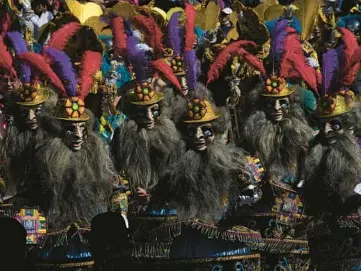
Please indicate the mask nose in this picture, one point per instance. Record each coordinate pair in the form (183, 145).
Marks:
(327, 130)
(277, 105)
(199, 134)
(31, 114)
(77, 133)
(149, 115)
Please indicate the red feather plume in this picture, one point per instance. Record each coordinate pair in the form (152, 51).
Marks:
(4, 23)
(351, 45)
(60, 38)
(119, 36)
(294, 62)
(232, 50)
(6, 61)
(190, 36)
(152, 31)
(167, 72)
(90, 64)
(38, 62)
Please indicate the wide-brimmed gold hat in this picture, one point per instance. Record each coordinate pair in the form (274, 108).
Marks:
(145, 94)
(31, 95)
(71, 109)
(200, 110)
(334, 105)
(277, 87)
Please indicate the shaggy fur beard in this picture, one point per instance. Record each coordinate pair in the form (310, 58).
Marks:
(77, 185)
(143, 153)
(17, 153)
(278, 144)
(332, 172)
(197, 183)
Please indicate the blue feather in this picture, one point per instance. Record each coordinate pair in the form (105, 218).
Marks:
(174, 38)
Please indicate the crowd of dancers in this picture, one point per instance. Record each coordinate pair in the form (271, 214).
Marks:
(180, 135)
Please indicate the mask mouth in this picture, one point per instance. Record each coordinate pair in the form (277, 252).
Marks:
(149, 125)
(276, 116)
(200, 145)
(76, 144)
(32, 124)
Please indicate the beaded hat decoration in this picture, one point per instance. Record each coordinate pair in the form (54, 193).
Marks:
(140, 57)
(286, 52)
(200, 110)
(71, 106)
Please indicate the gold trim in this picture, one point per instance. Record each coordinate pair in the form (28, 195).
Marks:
(65, 265)
(285, 92)
(216, 259)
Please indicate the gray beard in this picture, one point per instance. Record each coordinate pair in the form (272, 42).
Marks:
(279, 145)
(197, 182)
(143, 153)
(76, 185)
(332, 172)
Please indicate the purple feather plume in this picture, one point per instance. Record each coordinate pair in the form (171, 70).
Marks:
(191, 67)
(330, 68)
(139, 59)
(19, 45)
(278, 36)
(64, 69)
(17, 42)
(174, 37)
(221, 4)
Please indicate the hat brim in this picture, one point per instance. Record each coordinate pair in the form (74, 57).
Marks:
(83, 117)
(284, 93)
(206, 119)
(158, 96)
(41, 98)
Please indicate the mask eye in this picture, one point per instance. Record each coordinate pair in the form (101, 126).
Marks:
(141, 113)
(155, 112)
(207, 131)
(269, 104)
(38, 110)
(336, 125)
(284, 104)
(191, 131)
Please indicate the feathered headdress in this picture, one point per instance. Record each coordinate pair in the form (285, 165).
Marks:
(6, 61)
(71, 106)
(153, 34)
(139, 57)
(181, 39)
(339, 69)
(60, 38)
(19, 46)
(287, 56)
(33, 93)
(119, 35)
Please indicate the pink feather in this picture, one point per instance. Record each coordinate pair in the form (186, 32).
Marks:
(60, 38)
(90, 64)
(38, 62)
(190, 36)
(235, 48)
